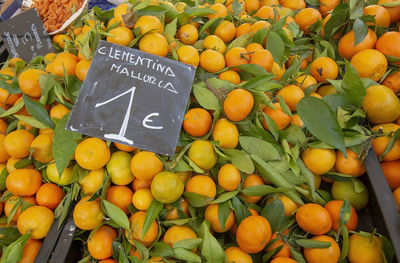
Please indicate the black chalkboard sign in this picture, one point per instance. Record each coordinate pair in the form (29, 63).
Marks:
(25, 36)
(134, 98)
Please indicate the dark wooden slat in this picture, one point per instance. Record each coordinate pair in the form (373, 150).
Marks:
(384, 208)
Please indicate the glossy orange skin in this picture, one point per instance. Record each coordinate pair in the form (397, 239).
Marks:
(326, 255)
(391, 171)
(253, 234)
(324, 68)
(120, 196)
(346, 44)
(235, 254)
(283, 260)
(49, 195)
(281, 119)
(30, 251)
(291, 94)
(88, 214)
(314, 219)
(307, 17)
(136, 222)
(284, 251)
(24, 182)
(100, 245)
(202, 185)
(394, 12)
(177, 233)
(238, 104)
(17, 143)
(262, 58)
(197, 122)
(387, 42)
(333, 207)
(4, 156)
(9, 205)
(37, 220)
(92, 153)
(236, 56)
(252, 180)
(350, 165)
(211, 216)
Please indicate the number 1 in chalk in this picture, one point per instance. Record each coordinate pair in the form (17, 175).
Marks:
(121, 135)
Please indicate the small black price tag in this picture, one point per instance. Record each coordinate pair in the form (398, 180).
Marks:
(134, 98)
(25, 36)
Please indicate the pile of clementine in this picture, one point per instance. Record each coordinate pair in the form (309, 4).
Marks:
(288, 98)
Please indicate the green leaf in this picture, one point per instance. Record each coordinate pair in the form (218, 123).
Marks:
(241, 211)
(293, 134)
(313, 2)
(206, 98)
(188, 243)
(272, 175)
(210, 248)
(151, 10)
(152, 213)
(261, 190)
(259, 147)
(170, 30)
(360, 31)
(9, 235)
(38, 111)
(13, 253)
(260, 80)
(197, 200)
(387, 248)
(337, 100)
(31, 121)
(314, 112)
(296, 255)
(241, 41)
(64, 144)
(225, 197)
(199, 11)
(237, 7)
(116, 214)
(13, 109)
(345, 244)
(3, 178)
(337, 20)
(62, 209)
(275, 213)
(253, 69)
(260, 36)
(309, 175)
(188, 256)
(16, 205)
(240, 160)
(143, 251)
(223, 213)
(308, 243)
(353, 86)
(345, 214)
(395, 137)
(162, 249)
(12, 88)
(390, 4)
(209, 24)
(178, 222)
(46, 82)
(276, 45)
(272, 126)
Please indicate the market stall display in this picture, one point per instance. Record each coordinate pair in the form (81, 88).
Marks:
(290, 102)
